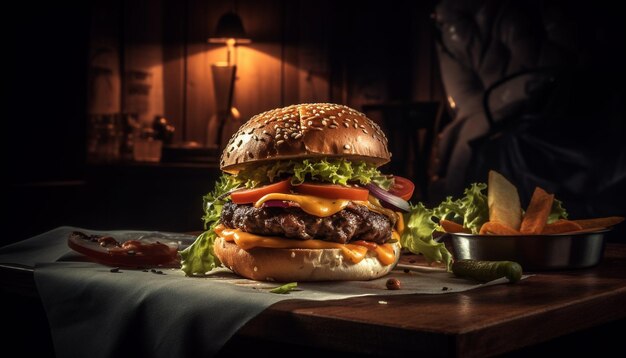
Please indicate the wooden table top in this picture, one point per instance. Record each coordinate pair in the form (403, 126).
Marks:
(486, 321)
(481, 322)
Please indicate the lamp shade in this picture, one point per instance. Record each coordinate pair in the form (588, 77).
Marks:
(229, 26)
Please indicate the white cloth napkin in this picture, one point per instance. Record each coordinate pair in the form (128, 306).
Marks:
(98, 313)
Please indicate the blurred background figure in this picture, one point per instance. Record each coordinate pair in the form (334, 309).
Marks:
(535, 91)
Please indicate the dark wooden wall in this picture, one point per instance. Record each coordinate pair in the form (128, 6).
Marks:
(67, 62)
(302, 51)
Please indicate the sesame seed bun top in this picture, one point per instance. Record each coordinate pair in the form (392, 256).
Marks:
(312, 130)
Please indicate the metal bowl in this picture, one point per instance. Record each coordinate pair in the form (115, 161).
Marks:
(533, 252)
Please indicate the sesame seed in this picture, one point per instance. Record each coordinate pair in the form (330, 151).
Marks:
(332, 126)
(298, 135)
(294, 134)
(280, 142)
(346, 124)
(362, 126)
(347, 146)
(332, 117)
(365, 131)
(310, 123)
(335, 122)
(356, 125)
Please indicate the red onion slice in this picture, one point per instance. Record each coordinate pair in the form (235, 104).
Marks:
(387, 199)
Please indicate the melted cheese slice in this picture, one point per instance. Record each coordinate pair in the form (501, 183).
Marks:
(322, 207)
(310, 204)
(353, 252)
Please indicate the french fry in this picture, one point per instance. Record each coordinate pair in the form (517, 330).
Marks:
(561, 227)
(537, 213)
(496, 228)
(452, 227)
(503, 201)
(599, 222)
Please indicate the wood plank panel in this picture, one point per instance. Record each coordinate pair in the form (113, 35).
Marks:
(315, 82)
(259, 78)
(143, 60)
(174, 64)
(104, 80)
(202, 16)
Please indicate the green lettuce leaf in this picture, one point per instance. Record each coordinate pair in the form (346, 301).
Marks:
(557, 212)
(471, 211)
(418, 236)
(198, 259)
(214, 200)
(336, 171)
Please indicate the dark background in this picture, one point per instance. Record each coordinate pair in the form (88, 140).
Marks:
(377, 57)
(372, 57)
(376, 54)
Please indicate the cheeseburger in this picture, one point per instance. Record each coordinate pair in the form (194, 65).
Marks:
(301, 199)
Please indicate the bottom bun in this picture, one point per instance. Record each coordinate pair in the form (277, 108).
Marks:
(283, 265)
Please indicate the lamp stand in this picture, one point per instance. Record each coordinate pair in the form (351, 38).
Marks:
(223, 85)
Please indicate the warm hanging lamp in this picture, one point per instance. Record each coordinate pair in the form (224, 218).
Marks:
(229, 31)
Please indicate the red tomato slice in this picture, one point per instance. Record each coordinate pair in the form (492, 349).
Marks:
(248, 196)
(106, 250)
(333, 191)
(402, 187)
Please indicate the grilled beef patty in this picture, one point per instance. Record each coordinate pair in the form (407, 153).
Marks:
(355, 222)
